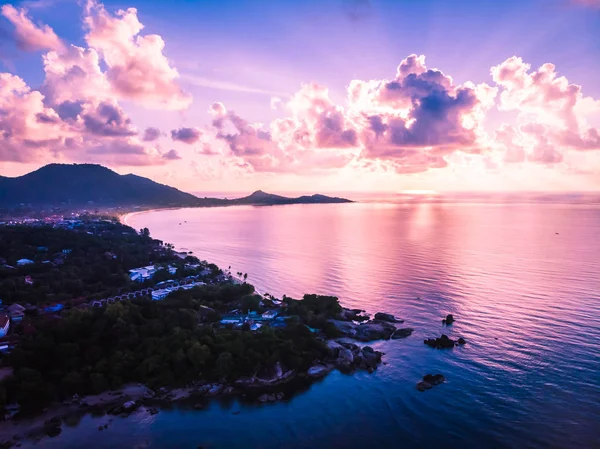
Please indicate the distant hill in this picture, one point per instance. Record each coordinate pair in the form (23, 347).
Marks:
(267, 199)
(86, 184)
(90, 185)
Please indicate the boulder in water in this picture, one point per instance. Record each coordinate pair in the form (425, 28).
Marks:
(388, 317)
(443, 342)
(449, 319)
(402, 333)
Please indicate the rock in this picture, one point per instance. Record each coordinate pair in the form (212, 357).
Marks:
(370, 358)
(153, 411)
(129, 405)
(55, 421)
(449, 319)
(422, 386)
(434, 379)
(279, 396)
(380, 330)
(346, 357)
(371, 370)
(388, 317)
(263, 398)
(317, 371)
(461, 341)
(214, 390)
(52, 430)
(334, 348)
(229, 390)
(444, 342)
(352, 315)
(402, 333)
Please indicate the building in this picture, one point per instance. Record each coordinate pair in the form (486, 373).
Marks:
(157, 295)
(22, 262)
(269, 315)
(142, 274)
(4, 324)
(15, 312)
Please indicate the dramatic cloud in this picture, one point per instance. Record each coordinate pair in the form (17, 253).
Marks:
(553, 111)
(28, 36)
(151, 134)
(186, 135)
(74, 75)
(137, 67)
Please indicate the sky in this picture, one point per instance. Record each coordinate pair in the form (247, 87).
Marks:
(307, 96)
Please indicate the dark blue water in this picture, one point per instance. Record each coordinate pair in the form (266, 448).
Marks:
(522, 279)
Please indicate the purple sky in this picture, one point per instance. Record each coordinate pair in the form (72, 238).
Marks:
(307, 96)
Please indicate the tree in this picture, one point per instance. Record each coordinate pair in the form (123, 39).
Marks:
(224, 364)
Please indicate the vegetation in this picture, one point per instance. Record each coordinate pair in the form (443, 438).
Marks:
(156, 342)
(92, 263)
(160, 343)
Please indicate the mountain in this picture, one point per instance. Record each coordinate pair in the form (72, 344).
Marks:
(268, 199)
(85, 185)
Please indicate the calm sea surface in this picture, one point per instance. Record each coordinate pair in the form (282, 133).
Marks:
(521, 276)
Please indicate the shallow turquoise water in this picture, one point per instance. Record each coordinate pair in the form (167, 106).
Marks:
(522, 280)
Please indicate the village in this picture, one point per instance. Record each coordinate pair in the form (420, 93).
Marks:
(154, 281)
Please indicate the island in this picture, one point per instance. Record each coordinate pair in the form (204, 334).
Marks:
(105, 318)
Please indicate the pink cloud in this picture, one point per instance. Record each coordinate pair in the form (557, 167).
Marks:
(186, 135)
(31, 131)
(151, 134)
(137, 67)
(29, 36)
(555, 111)
(171, 155)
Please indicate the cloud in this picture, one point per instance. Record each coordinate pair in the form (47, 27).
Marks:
(151, 134)
(171, 155)
(186, 135)
(137, 69)
(416, 119)
(107, 119)
(74, 75)
(28, 36)
(87, 131)
(553, 111)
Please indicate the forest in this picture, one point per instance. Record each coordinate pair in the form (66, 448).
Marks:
(159, 343)
(68, 264)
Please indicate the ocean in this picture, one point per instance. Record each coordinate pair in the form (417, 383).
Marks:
(520, 274)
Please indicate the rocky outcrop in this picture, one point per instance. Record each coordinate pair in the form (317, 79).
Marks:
(372, 330)
(52, 427)
(448, 320)
(388, 317)
(402, 333)
(429, 381)
(353, 357)
(334, 348)
(272, 397)
(319, 371)
(461, 341)
(352, 315)
(443, 342)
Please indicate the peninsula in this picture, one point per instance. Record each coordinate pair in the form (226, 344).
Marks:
(105, 318)
(90, 186)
